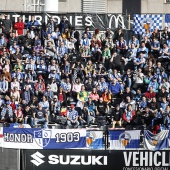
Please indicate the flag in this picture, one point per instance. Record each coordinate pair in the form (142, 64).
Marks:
(94, 139)
(36, 138)
(167, 20)
(156, 141)
(146, 21)
(124, 139)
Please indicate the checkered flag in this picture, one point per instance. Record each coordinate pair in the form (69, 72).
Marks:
(140, 22)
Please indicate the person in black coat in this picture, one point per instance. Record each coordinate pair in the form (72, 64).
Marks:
(64, 23)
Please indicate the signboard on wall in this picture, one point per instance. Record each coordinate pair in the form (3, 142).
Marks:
(78, 20)
(96, 160)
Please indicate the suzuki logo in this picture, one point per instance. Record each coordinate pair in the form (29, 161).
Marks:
(37, 158)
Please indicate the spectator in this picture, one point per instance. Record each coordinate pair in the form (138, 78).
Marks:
(26, 95)
(39, 86)
(115, 62)
(40, 115)
(140, 61)
(107, 96)
(96, 52)
(72, 117)
(53, 86)
(55, 108)
(82, 97)
(94, 95)
(16, 94)
(33, 26)
(7, 113)
(45, 104)
(150, 94)
(122, 46)
(28, 116)
(64, 23)
(115, 88)
(89, 85)
(117, 116)
(51, 24)
(4, 86)
(101, 107)
(19, 26)
(61, 97)
(134, 41)
(85, 41)
(6, 25)
(87, 31)
(128, 116)
(19, 115)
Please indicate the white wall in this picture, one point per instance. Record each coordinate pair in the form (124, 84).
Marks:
(112, 6)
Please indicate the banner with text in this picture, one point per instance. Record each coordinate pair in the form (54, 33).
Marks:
(42, 138)
(95, 159)
(78, 20)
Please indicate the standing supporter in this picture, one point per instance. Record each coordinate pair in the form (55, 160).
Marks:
(3, 41)
(39, 87)
(4, 89)
(7, 113)
(115, 62)
(64, 23)
(19, 115)
(33, 26)
(16, 94)
(85, 41)
(51, 24)
(45, 104)
(28, 117)
(82, 97)
(61, 97)
(106, 55)
(6, 25)
(155, 47)
(26, 95)
(96, 53)
(90, 106)
(128, 116)
(19, 26)
(55, 107)
(53, 86)
(122, 46)
(87, 31)
(78, 70)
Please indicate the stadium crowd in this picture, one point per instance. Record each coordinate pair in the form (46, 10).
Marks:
(54, 73)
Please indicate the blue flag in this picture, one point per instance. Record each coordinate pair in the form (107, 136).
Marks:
(156, 141)
(167, 18)
(146, 21)
(124, 139)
